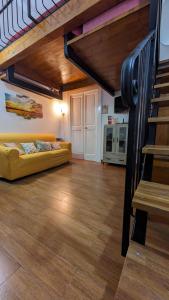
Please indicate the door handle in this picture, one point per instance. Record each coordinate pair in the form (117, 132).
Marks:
(86, 127)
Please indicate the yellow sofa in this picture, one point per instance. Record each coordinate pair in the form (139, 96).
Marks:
(13, 165)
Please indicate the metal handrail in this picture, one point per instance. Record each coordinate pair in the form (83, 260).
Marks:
(18, 17)
(129, 87)
(5, 6)
(137, 80)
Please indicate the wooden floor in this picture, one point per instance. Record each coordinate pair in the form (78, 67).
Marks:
(60, 233)
(145, 274)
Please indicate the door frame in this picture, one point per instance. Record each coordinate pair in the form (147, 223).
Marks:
(78, 155)
(67, 99)
(97, 110)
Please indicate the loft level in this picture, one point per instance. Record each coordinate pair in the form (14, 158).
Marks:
(53, 22)
(45, 43)
(115, 43)
(33, 12)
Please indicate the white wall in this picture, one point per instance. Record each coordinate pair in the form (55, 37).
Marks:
(65, 132)
(164, 34)
(10, 122)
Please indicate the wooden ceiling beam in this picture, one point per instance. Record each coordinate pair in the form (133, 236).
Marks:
(65, 19)
(77, 84)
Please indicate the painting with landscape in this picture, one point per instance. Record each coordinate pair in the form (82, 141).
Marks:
(23, 106)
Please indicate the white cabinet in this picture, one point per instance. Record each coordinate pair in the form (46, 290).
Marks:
(115, 143)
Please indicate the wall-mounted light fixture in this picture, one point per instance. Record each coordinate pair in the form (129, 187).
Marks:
(63, 108)
(60, 108)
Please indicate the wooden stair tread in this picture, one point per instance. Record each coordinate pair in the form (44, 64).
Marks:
(163, 67)
(157, 234)
(161, 163)
(145, 275)
(165, 61)
(163, 97)
(161, 85)
(162, 75)
(152, 197)
(158, 120)
(156, 149)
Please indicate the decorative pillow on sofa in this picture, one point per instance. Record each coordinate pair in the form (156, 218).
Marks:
(29, 148)
(55, 146)
(14, 145)
(43, 146)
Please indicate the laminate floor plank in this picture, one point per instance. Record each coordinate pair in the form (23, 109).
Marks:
(8, 265)
(145, 275)
(62, 228)
(23, 285)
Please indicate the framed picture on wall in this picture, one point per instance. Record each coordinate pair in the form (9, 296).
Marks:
(23, 106)
(105, 109)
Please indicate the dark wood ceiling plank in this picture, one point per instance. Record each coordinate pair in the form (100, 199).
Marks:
(106, 47)
(49, 65)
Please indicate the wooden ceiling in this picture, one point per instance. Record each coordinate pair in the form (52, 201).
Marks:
(49, 66)
(103, 49)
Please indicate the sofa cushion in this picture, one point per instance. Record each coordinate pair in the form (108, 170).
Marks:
(29, 148)
(43, 146)
(46, 156)
(14, 145)
(55, 145)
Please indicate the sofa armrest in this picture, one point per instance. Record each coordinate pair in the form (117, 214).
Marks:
(66, 145)
(8, 153)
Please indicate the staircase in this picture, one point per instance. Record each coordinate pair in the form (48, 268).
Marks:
(145, 240)
(152, 197)
(145, 273)
(149, 196)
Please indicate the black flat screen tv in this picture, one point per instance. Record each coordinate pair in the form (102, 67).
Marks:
(118, 106)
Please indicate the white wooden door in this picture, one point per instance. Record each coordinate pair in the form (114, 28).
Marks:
(90, 125)
(77, 121)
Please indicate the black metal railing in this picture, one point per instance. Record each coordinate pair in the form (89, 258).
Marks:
(19, 16)
(137, 80)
